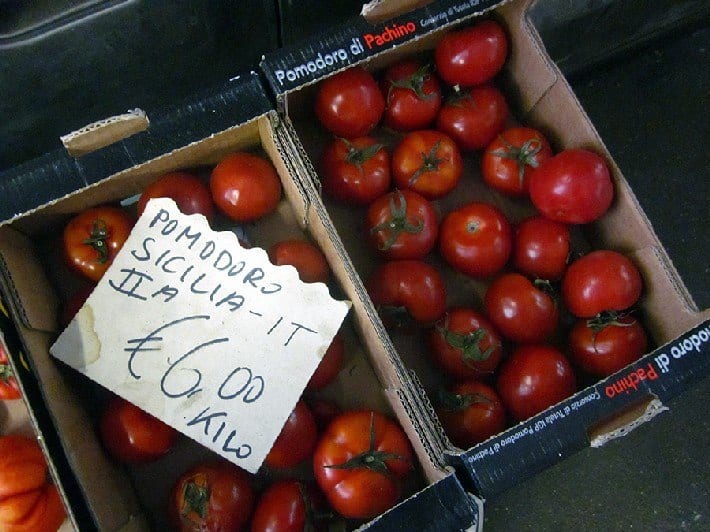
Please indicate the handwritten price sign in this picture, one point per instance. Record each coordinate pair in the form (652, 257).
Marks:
(205, 335)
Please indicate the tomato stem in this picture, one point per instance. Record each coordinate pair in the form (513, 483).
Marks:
(6, 372)
(359, 156)
(196, 495)
(455, 402)
(430, 163)
(98, 239)
(398, 223)
(414, 83)
(468, 343)
(523, 155)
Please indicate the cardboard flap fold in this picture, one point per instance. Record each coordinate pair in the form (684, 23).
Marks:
(104, 132)
(380, 10)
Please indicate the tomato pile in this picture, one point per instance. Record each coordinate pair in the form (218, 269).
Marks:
(416, 143)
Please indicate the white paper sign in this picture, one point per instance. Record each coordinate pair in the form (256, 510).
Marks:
(207, 336)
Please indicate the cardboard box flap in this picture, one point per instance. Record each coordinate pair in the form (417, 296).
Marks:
(379, 10)
(57, 174)
(104, 132)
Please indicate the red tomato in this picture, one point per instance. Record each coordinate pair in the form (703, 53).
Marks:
(355, 171)
(473, 117)
(133, 436)
(534, 378)
(509, 159)
(349, 104)
(407, 290)
(296, 441)
(360, 462)
(323, 410)
(572, 187)
(330, 365)
(212, 496)
(464, 344)
(523, 311)
(189, 192)
(602, 280)
(27, 502)
(93, 238)
(9, 389)
(288, 506)
(412, 95)
(470, 412)
(475, 239)
(427, 162)
(473, 55)
(604, 346)
(309, 261)
(402, 225)
(74, 303)
(541, 248)
(245, 187)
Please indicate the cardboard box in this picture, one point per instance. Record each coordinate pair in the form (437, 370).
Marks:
(102, 494)
(540, 97)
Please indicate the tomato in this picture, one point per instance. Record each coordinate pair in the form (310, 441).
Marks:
(323, 410)
(534, 378)
(27, 502)
(523, 311)
(355, 171)
(288, 505)
(245, 187)
(473, 55)
(541, 248)
(406, 291)
(93, 238)
(189, 192)
(602, 346)
(464, 344)
(470, 412)
(211, 497)
(296, 440)
(308, 259)
(9, 389)
(476, 239)
(329, 366)
(511, 156)
(360, 462)
(349, 104)
(427, 162)
(73, 304)
(599, 281)
(402, 225)
(412, 95)
(572, 187)
(473, 117)
(133, 436)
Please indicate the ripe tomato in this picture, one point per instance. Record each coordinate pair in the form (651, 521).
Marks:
(473, 55)
(309, 261)
(464, 344)
(407, 290)
(473, 117)
(27, 502)
(288, 505)
(523, 311)
(470, 412)
(572, 187)
(602, 346)
(349, 104)
(360, 462)
(475, 239)
(93, 238)
(133, 436)
(534, 378)
(329, 366)
(323, 410)
(509, 159)
(73, 304)
(427, 162)
(211, 496)
(296, 441)
(541, 248)
(355, 171)
(601, 280)
(9, 389)
(245, 187)
(412, 95)
(402, 225)
(189, 192)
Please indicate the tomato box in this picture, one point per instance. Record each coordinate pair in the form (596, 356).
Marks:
(538, 96)
(119, 158)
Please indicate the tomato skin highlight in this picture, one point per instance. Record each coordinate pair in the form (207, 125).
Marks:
(572, 187)
(534, 378)
(190, 193)
(541, 248)
(296, 440)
